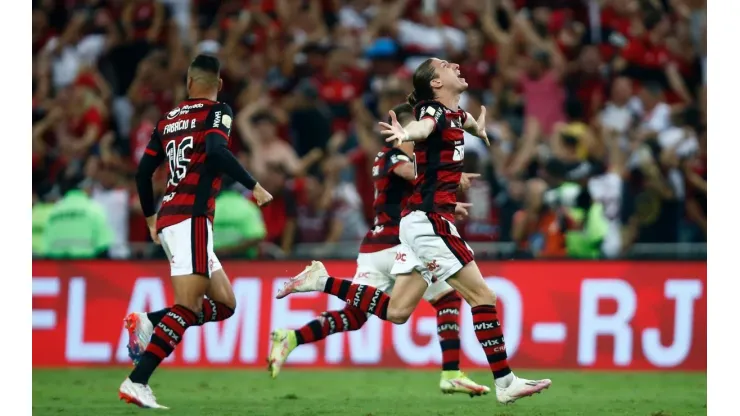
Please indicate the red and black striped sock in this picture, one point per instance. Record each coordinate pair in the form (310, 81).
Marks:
(167, 334)
(448, 329)
(491, 337)
(213, 311)
(366, 298)
(348, 319)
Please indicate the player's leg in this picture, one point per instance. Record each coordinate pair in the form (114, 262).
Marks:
(188, 241)
(219, 305)
(408, 290)
(373, 269)
(469, 282)
(446, 301)
(450, 259)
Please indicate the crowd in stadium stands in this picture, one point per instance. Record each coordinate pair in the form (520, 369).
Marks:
(596, 114)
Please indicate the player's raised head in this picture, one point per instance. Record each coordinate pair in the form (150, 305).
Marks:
(434, 76)
(204, 75)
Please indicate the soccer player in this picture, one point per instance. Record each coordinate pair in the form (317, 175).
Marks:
(193, 139)
(429, 239)
(393, 173)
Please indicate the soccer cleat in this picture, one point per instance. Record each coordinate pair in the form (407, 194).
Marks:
(283, 342)
(140, 331)
(138, 394)
(520, 387)
(311, 279)
(458, 382)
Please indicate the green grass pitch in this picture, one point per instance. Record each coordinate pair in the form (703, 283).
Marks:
(374, 392)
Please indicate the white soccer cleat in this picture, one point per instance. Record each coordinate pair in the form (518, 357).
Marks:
(283, 342)
(140, 331)
(138, 394)
(457, 382)
(311, 279)
(520, 387)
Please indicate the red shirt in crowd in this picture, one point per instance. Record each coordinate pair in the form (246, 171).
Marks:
(91, 117)
(312, 225)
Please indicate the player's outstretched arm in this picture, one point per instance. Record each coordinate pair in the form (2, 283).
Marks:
(414, 131)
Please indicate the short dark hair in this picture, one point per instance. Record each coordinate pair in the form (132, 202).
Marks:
(206, 63)
(402, 111)
(423, 75)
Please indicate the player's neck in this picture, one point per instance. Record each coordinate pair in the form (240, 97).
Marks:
(449, 100)
(201, 95)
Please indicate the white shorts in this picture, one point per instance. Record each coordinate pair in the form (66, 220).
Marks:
(432, 244)
(189, 247)
(374, 269)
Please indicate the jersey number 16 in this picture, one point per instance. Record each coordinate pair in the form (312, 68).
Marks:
(178, 162)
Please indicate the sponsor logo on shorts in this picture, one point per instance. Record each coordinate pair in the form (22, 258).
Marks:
(401, 257)
(432, 266)
(362, 275)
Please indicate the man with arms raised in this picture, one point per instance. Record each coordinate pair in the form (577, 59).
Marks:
(429, 239)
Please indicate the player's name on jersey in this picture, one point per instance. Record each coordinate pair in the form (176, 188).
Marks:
(179, 125)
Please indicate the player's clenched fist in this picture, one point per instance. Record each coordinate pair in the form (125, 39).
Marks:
(261, 195)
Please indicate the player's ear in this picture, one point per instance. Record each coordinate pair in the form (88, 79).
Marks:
(220, 84)
(436, 83)
(190, 83)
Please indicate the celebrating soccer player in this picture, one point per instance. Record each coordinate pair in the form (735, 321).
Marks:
(431, 249)
(393, 175)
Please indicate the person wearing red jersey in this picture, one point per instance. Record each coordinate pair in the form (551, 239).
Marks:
(193, 139)
(430, 244)
(393, 175)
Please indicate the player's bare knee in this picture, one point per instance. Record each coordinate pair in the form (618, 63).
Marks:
(398, 316)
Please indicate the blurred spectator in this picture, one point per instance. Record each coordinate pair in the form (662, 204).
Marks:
(108, 192)
(238, 227)
(308, 80)
(77, 228)
(537, 229)
(279, 215)
(40, 213)
(316, 211)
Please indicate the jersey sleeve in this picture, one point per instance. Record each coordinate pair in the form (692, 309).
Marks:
(219, 120)
(394, 158)
(151, 159)
(433, 111)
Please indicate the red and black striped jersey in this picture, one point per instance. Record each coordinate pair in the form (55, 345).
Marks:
(439, 161)
(191, 185)
(391, 193)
